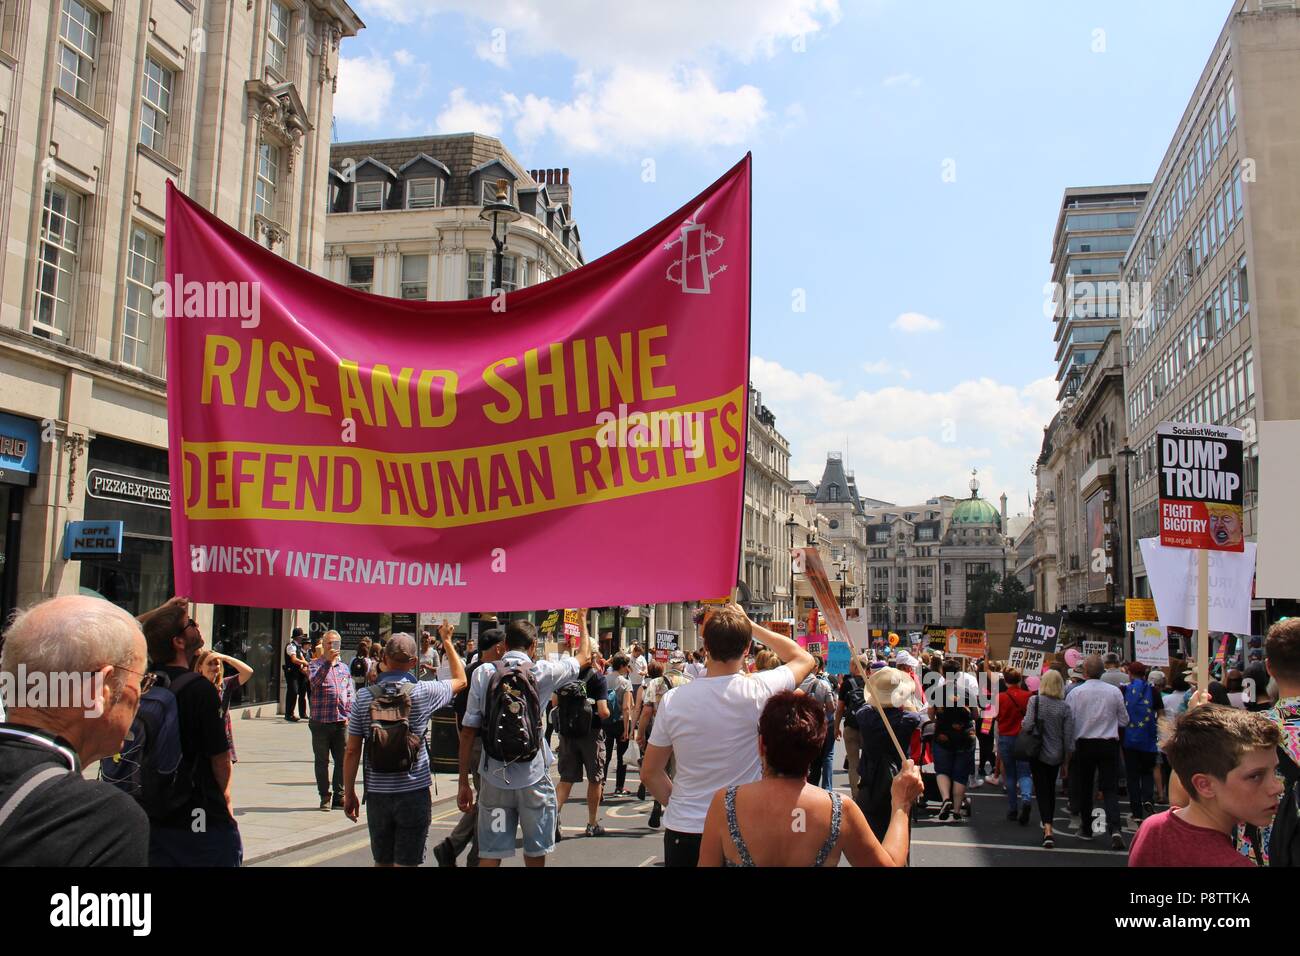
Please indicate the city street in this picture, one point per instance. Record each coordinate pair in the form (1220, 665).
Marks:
(988, 839)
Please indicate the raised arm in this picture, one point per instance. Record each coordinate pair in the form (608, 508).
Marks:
(799, 661)
(458, 682)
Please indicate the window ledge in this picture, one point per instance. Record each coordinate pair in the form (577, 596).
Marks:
(8, 59)
(86, 110)
(153, 154)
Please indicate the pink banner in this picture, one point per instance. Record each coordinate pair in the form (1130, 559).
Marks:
(576, 443)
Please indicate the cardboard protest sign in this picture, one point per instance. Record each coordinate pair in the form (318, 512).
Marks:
(970, 643)
(1201, 493)
(837, 658)
(1173, 576)
(1150, 643)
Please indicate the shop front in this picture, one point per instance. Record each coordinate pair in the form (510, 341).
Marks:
(127, 482)
(19, 461)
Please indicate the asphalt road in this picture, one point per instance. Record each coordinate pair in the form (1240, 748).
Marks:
(987, 839)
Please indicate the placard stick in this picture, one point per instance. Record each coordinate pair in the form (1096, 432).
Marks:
(1203, 619)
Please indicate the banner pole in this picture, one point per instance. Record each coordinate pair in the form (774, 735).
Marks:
(1203, 619)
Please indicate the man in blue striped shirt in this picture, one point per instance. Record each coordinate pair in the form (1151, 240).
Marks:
(398, 805)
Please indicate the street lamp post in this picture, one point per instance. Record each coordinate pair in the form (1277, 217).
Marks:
(1128, 455)
(501, 213)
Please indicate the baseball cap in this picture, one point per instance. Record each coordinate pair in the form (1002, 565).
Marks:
(400, 647)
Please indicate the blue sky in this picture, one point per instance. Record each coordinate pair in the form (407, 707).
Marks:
(909, 161)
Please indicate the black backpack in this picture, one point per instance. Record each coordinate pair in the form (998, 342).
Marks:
(575, 710)
(151, 765)
(391, 745)
(512, 713)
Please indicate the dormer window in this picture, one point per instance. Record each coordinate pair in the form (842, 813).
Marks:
(835, 492)
(423, 193)
(368, 197)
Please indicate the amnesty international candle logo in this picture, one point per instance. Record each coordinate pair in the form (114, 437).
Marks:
(1201, 494)
(353, 451)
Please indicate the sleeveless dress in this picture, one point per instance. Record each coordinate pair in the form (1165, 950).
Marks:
(745, 860)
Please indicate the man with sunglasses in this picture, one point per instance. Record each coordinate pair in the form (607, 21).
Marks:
(202, 832)
(74, 670)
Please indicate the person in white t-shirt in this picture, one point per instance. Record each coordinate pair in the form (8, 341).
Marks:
(709, 727)
(638, 666)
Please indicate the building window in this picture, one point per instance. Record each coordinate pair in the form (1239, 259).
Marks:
(514, 273)
(60, 232)
(423, 193)
(361, 272)
(415, 277)
(268, 177)
(277, 39)
(78, 35)
(368, 197)
(156, 100)
(476, 284)
(137, 320)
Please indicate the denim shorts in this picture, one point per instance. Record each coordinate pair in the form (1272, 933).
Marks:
(500, 812)
(399, 826)
(956, 765)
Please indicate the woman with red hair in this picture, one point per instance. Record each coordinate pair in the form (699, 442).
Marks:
(782, 820)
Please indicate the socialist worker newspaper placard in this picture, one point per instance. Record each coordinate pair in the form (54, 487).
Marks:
(1201, 493)
(331, 448)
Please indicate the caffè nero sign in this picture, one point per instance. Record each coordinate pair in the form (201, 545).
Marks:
(113, 486)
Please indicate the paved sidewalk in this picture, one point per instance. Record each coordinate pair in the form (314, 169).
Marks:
(274, 787)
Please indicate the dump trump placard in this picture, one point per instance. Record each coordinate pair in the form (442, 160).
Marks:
(1201, 494)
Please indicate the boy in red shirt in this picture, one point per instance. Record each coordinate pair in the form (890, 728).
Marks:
(1226, 760)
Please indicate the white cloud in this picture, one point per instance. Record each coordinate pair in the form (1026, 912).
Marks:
(462, 115)
(642, 109)
(914, 322)
(886, 367)
(901, 79)
(365, 89)
(906, 443)
(648, 35)
(403, 57)
(646, 76)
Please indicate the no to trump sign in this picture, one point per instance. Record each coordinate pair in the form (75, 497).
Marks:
(1200, 486)
(1037, 632)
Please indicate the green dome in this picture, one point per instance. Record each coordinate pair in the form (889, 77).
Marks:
(975, 511)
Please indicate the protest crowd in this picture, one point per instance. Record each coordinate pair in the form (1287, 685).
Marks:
(731, 743)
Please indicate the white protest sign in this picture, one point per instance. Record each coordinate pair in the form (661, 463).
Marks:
(859, 635)
(1026, 661)
(434, 618)
(1099, 648)
(1150, 643)
(1172, 576)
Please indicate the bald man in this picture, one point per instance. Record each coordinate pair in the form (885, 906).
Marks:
(71, 671)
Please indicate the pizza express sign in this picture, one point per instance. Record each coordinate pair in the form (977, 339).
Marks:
(131, 489)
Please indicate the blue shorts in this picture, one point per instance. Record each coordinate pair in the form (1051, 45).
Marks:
(501, 812)
(399, 826)
(956, 765)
